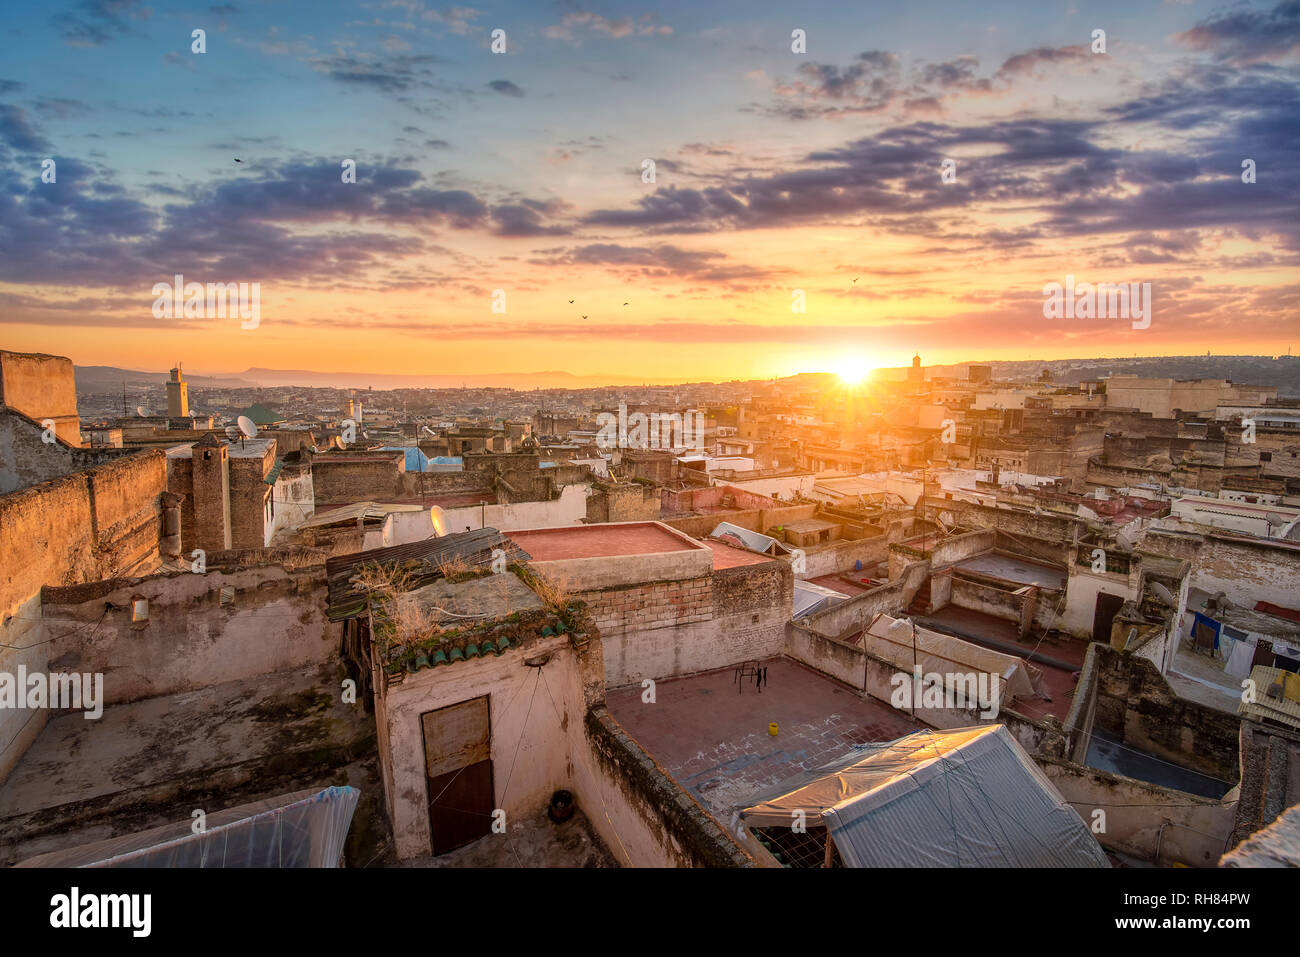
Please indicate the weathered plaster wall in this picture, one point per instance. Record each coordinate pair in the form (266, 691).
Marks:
(269, 620)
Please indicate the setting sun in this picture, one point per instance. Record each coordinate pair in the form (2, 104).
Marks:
(852, 369)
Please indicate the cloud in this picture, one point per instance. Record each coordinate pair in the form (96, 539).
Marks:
(93, 23)
(17, 132)
(1249, 36)
(570, 24)
(874, 82)
(389, 74)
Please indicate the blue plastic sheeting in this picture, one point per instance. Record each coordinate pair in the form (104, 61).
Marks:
(416, 461)
(302, 829)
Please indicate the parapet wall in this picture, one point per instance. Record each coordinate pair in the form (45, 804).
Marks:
(652, 820)
(100, 523)
(202, 630)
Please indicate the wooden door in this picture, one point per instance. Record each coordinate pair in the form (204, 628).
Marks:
(458, 765)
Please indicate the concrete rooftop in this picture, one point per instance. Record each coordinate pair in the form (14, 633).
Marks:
(1019, 570)
(601, 541)
(713, 739)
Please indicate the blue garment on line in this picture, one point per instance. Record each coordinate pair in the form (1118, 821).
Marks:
(1210, 623)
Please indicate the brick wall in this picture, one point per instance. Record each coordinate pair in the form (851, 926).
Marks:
(376, 476)
(248, 495)
(664, 629)
(627, 502)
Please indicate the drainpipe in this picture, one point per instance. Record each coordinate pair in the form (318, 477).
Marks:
(1159, 837)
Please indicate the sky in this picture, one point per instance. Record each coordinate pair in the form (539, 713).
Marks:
(799, 217)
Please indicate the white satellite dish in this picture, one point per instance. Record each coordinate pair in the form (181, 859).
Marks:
(439, 521)
(142, 411)
(244, 428)
(429, 430)
(1164, 594)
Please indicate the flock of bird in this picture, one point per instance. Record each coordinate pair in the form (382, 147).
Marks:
(572, 301)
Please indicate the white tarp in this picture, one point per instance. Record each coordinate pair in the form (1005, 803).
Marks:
(809, 599)
(945, 655)
(754, 541)
(970, 797)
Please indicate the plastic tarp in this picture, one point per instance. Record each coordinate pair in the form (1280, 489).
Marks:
(416, 460)
(810, 599)
(302, 829)
(945, 655)
(754, 541)
(970, 797)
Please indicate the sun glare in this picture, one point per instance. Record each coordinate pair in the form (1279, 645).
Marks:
(852, 369)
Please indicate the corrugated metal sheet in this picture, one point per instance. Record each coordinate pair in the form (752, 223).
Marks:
(474, 548)
(970, 797)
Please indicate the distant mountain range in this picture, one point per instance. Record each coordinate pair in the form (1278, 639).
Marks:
(490, 380)
(1282, 371)
(110, 378)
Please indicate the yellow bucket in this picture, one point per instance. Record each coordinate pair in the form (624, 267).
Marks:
(771, 729)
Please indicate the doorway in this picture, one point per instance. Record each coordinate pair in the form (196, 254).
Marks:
(1108, 607)
(458, 767)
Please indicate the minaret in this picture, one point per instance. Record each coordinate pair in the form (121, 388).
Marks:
(178, 399)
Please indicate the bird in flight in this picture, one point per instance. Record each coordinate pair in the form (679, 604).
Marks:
(857, 279)
(627, 303)
(584, 317)
(571, 302)
(238, 160)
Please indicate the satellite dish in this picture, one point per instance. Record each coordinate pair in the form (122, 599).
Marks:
(247, 427)
(429, 430)
(1164, 594)
(142, 411)
(439, 521)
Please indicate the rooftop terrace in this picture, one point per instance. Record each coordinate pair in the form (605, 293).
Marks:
(711, 733)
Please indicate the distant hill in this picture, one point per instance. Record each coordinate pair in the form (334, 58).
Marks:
(110, 378)
(491, 380)
(1283, 371)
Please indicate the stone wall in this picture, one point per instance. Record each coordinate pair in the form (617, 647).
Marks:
(369, 476)
(651, 821)
(95, 524)
(27, 459)
(625, 502)
(203, 629)
(1135, 706)
(670, 628)
(42, 386)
